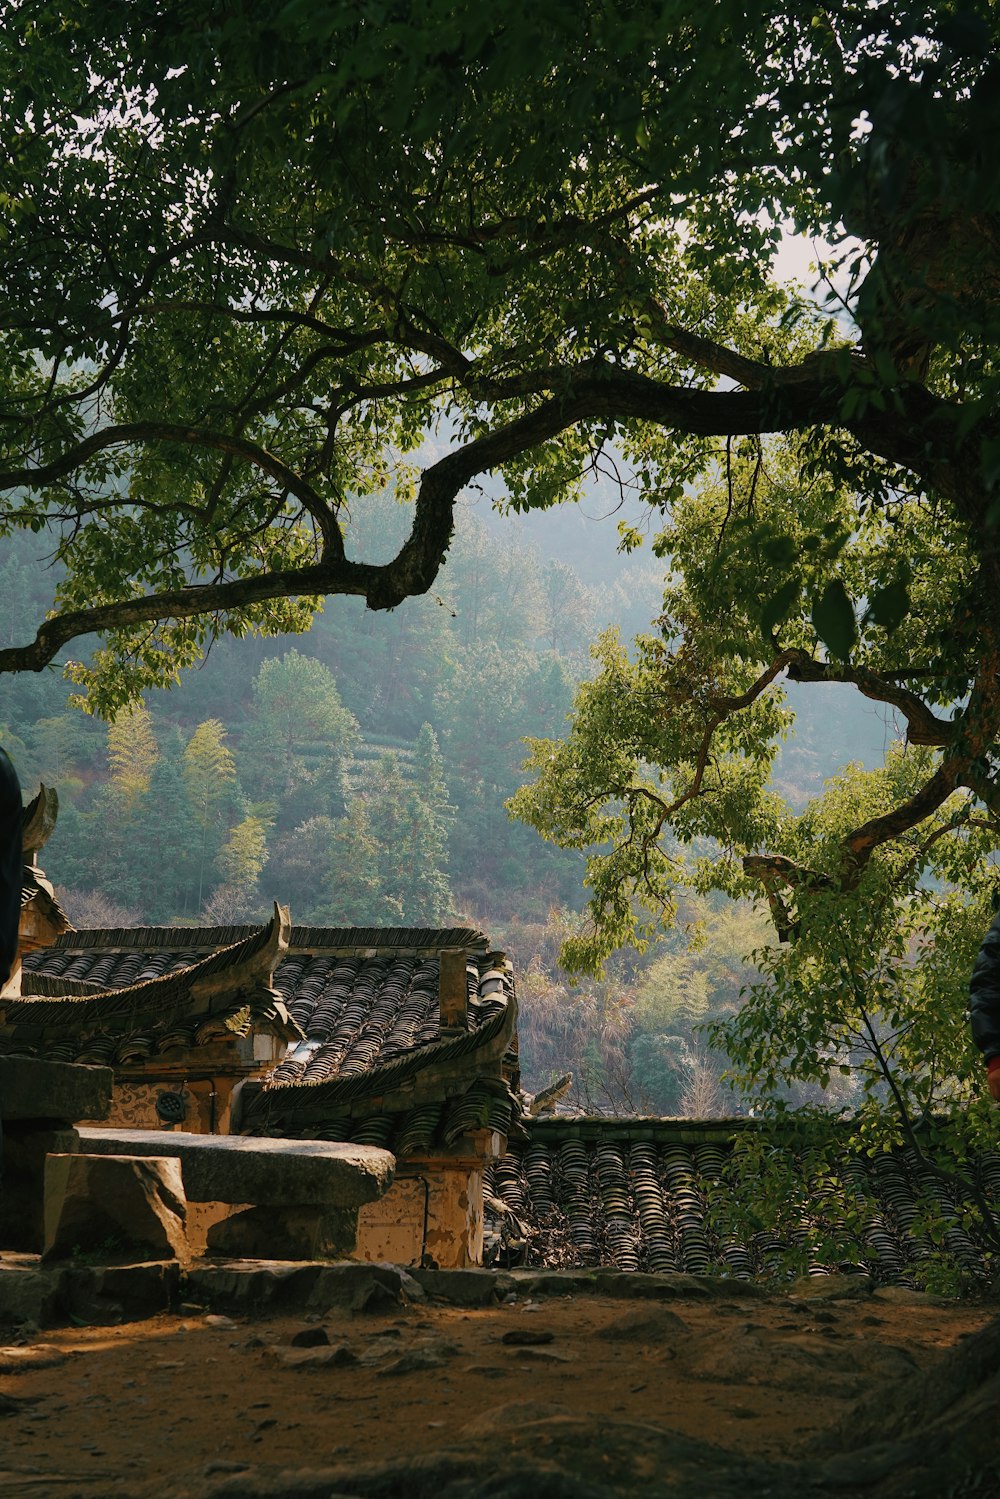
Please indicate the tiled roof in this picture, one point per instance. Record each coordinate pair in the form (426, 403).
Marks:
(373, 1033)
(79, 1013)
(361, 1012)
(39, 820)
(634, 1194)
(37, 892)
(428, 1129)
(367, 1002)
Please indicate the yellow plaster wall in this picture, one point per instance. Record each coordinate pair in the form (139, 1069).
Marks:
(434, 1213)
(133, 1104)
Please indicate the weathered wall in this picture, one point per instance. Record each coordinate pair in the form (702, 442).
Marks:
(432, 1212)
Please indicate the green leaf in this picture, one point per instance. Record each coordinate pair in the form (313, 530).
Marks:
(778, 606)
(833, 620)
(780, 550)
(889, 606)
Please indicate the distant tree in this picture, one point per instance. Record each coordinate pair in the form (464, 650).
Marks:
(297, 731)
(239, 862)
(569, 609)
(209, 782)
(168, 851)
(89, 908)
(354, 891)
(209, 772)
(411, 835)
(132, 754)
(429, 778)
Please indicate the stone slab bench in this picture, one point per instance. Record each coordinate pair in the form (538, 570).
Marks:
(305, 1193)
(237, 1168)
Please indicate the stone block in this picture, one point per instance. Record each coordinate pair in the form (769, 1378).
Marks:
(26, 1143)
(106, 1294)
(33, 1089)
(836, 1287)
(253, 1286)
(27, 1292)
(463, 1287)
(299, 1233)
(270, 1172)
(114, 1207)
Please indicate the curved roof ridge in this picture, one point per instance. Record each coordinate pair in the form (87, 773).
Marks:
(152, 938)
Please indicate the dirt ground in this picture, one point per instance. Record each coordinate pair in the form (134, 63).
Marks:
(210, 1404)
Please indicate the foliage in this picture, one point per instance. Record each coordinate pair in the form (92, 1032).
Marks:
(240, 861)
(132, 754)
(260, 262)
(694, 720)
(300, 730)
(869, 1005)
(209, 771)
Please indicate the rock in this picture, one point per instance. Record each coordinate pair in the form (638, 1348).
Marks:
(33, 1089)
(273, 1172)
(410, 1286)
(215, 1320)
(729, 1287)
(300, 1233)
(655, 1325)
(310, 1337)
(906, 1296)
(540, 1356)
(464, 1287)
(27, 1293)
(527, 1337)
(551, 1282)
(26, 1143)
(11, 1405)
(415, 1361)
(112, 1293)
(114, 1206)
(255, 1286)
(339, 1356)
(831, 1287)
(649, 1287)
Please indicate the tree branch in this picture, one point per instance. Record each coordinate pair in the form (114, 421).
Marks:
(610, 393)
(923, 727)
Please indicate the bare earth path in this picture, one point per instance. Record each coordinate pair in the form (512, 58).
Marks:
(579, 1395)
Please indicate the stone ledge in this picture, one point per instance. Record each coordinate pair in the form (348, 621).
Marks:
(268, 1172)
(50, 1296)
(33, 1089)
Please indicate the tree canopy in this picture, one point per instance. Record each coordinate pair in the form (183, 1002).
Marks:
(260, 263)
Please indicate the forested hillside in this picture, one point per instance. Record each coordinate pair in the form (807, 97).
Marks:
(359, 774)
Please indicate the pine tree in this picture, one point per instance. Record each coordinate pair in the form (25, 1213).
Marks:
(240, 862)
(210, 782)
(132, 753)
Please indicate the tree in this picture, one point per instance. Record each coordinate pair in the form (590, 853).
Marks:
(209, 780)
(667, 768)
(243, 289)
(299, 730)
(408, 820)
(168, 842)
(132, 754)
(240, 862)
